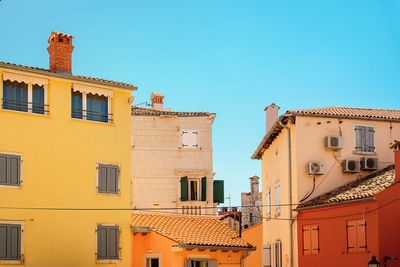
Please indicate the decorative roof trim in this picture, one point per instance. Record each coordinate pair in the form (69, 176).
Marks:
(91, 90)
(139, 111)
(14, 77)
(217, 247)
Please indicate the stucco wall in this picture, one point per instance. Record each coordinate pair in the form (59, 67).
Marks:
(59, 156)
(253, 235)
(158, 160)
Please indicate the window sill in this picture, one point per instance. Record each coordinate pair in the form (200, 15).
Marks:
(108, 261)
(11, 186)
(363, 153)
(11, 262)
(190, 149)
(109, 194)
(95, 122)
(26, 113)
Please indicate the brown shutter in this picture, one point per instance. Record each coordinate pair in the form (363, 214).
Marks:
(352, 236)
(361, 240)
(314, 239)
(306, 240)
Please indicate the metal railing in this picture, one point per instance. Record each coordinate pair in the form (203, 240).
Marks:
(24, 106)
(91, 115)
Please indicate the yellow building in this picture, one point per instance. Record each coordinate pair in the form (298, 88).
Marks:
(64, 152)
(306, 153)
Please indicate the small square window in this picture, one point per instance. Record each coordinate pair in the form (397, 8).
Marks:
(365, 138)
(10, 170)
(108, 176)
(107, 242)
(189, 139)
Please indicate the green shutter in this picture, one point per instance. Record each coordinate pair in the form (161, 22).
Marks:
(204, 189)
(218, 191)
(184, 188)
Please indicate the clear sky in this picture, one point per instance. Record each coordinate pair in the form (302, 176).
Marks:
(229, 57)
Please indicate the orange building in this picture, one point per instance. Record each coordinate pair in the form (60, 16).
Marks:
(160, 240)
(354, 222)
(253, 234)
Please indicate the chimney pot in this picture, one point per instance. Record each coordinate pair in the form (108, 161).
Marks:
(60, 52)
(271, 115)
(157, 101)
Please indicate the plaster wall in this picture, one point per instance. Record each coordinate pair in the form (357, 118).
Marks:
(253, 235)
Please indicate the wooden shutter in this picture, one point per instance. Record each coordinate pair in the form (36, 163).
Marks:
(266, 255)
(278, 253)
(358, 133)
(112, 181)
(102, 243)
(307, 240)
(218, 191)
(184, 188)
(14, 169)
(3, 169)
(212, 263)
(314, 229)
(15, 242)
(194, 139)
(370, 139)
(204, 189)
(112, 242)
(361, 240)
(352, 236)
(102, 187)
(188, 263)
(3, 242)
(268, 203)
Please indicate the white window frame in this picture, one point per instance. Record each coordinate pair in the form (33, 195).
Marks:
(22, 260)
(189, 146)
(277, 198)
(152, 256)
(355, 151)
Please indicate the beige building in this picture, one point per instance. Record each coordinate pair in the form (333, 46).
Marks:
(308, 152)
(172, 164)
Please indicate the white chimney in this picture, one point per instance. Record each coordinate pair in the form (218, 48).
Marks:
(272, 115)
(157, 101)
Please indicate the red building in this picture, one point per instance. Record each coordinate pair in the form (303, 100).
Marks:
(352, 223)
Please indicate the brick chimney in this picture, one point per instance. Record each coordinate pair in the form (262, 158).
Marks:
(396, 147)
(60, 52)
(272, 115)
(157, 101)
(254, 185)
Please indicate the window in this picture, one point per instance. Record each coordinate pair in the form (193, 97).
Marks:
(310, 239)
(277, 254)
(90, 106)
(193, 189)
(10, 170)
(201, 263)
(26, 97)
(365, 138)
(108, 179)
(10, 241)
(152, 262)
(189, 139)
(277, 198)
(268, 203)
(107, 242)
(356, 236)
(266, 255)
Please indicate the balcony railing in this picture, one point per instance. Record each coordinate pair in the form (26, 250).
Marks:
(91, 115)
(24, 106)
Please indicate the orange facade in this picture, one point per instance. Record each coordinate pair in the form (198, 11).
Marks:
(253, 235)
(350, 234)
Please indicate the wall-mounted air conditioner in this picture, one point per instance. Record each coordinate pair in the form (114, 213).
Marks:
(333, 142)
(315, 168)
(369, 163)
(351, 165)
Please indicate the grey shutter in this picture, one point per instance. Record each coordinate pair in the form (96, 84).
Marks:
(15, 240)
(101, 243)
(358, 133)
(14, 170)
(102, 178)
(3, 242)
(113, 180)
(363, 139)
(370, 142)
(112, 242)
(3, 169)
(212, 263)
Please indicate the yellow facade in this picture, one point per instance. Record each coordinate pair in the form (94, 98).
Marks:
(59, 159)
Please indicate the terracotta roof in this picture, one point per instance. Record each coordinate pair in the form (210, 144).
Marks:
(68, 76)
(334, 112)
(191, 230)
(364, 188)
(390, 114)
(139, 111)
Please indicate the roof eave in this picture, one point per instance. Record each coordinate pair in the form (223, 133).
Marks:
(67, 76)
(336, 203)
(217, 247)
(305, 114)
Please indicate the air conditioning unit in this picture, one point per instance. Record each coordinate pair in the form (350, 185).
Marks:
(369, 163)
(333, 142)
(315, 168)
(351, 165)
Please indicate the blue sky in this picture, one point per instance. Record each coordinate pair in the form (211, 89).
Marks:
(229, 57)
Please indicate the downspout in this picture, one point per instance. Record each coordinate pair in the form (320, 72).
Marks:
(290, 192)
(243, 257)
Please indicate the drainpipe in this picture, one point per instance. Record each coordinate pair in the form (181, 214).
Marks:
(290, 192)
(243, 257)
